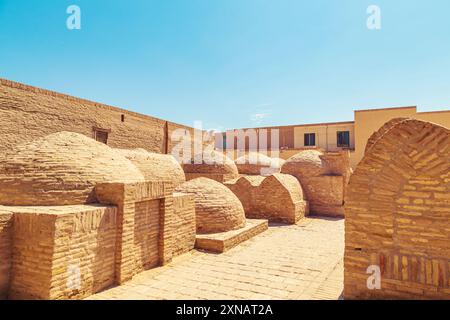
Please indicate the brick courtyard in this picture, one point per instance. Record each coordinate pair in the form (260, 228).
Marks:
(302, 261)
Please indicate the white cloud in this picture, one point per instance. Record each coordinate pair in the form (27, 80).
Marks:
(259, 117)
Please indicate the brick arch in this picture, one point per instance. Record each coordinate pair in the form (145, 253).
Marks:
(380, 132)
(398, 213)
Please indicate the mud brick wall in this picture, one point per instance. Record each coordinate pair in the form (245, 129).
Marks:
(326, 194)
(62, 252)
(146, 234)
(278, 197)
(184, 223)
(398, 214)
(28, 113)
(6, 219)
(144, 224)
(323, 177)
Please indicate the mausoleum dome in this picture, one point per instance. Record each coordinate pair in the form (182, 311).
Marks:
(155, 166)
(258, 163)
(217, 209)
(60, 169)
(212, 162)
(306, 163)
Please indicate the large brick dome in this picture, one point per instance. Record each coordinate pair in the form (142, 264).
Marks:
(217, 209)
(155, 166)
(60, 169)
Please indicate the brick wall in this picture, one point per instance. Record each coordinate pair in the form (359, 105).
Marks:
(184, 223)
(145, 226)
(323, 177)
(5, 251)
(28, 112)
(278, 197)
(62, 252)
(398, 215)
(146, 234)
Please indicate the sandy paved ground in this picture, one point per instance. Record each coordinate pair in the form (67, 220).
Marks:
(302, 261)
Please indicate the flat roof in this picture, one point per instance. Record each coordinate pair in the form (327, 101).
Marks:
(300, 125)
(384, 109)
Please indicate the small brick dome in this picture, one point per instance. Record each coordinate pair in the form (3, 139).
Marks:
(306, 163)
(60, 169)
(258, 163)
(155, 166)
(217, 209)
(213, 162)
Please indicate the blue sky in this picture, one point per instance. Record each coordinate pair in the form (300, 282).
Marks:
(233, 63)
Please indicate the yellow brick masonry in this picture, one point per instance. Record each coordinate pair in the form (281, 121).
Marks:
(398, 214)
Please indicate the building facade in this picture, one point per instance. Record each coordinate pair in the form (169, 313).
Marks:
(333, 136)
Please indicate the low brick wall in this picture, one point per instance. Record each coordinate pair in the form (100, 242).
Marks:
(146, 234)
(5, 251)
(62, 252)
(184, 223)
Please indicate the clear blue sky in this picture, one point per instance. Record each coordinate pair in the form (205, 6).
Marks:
(233, 63)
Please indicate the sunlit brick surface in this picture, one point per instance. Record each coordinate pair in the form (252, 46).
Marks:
(302, 261)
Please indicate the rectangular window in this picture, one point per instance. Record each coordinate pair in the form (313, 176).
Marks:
(101, 135)
(343, 139)
(310, 140)
(224, 141)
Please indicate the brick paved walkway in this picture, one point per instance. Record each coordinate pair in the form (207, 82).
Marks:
(302, 261)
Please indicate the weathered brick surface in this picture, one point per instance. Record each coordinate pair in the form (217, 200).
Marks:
(278, 197)
(59, 169)
(154, 166)
(52, 246)
(254, 163)
(217, 209)
(397, 214)
(140, 206)
(224, 241)
(380, 132)
(146, 234)
(29, 113)
(323, 176)
(184, 223)
(300, 261)
(216, 166)
(6, 219)
(219, 177)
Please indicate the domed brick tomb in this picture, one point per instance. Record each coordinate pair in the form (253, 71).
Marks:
(214, 165)
(278, 197)
(76, 216)
(220, 217)
(254, 163)
(323, 177)
(155, 166)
